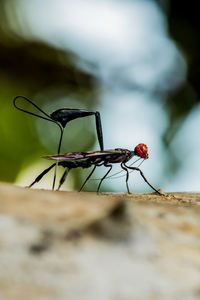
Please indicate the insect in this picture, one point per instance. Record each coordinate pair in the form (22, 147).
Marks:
(61, 117)
(97, 158)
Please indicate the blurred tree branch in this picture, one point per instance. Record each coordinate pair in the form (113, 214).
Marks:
(39, 65)
(35, 63)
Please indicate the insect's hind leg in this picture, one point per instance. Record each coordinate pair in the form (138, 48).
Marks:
(39, 177)
(106, 165)
(87, 178)
(63, 178)
(127, 176)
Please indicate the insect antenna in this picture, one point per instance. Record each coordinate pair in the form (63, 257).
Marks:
(47, 117)
(116, 177)
(112, 176)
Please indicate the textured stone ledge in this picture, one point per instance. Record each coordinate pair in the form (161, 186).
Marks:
(69, 245)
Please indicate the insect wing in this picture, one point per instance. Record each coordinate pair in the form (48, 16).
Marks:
(67, 156)
(82, 155)
(102, 153)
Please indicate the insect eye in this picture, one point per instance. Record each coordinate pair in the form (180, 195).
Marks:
(141, 150)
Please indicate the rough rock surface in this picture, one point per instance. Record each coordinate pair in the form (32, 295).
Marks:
(69, 245)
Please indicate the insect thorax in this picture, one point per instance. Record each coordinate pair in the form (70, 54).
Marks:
(122, 155)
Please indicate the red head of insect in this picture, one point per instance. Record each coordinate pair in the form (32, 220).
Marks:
(141, 150)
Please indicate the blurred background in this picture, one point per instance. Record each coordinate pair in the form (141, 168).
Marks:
(135, 61)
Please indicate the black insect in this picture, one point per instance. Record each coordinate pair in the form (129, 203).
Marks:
(97, 158)
(63, 116)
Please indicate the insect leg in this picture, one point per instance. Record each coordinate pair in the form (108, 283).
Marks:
(142, 174)
(127, 176)
(106, 165)
(39, 177)
(58, 152)
(88, 178)
(48, 118)
(63, 178)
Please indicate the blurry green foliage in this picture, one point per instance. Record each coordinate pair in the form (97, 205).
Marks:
(44, 74)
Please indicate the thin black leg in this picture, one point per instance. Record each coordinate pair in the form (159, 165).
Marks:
(58, 152)
(47, 117)
(54, 178)
(106, 165)
(127, 176)
(142, 174)
(87, 178)
(63, 178)
(39, 177)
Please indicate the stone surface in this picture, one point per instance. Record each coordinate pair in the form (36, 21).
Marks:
(69, 245)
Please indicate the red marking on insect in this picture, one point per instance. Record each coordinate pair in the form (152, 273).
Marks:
(141, 150)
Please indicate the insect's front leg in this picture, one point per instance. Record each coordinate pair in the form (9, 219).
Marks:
(142, 174)
(127, 176)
